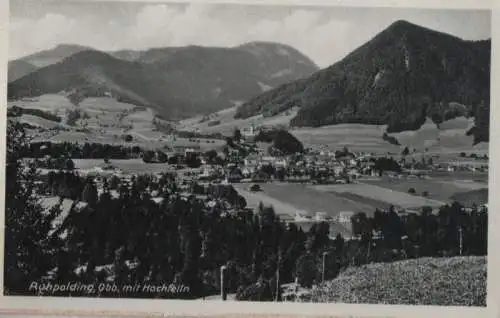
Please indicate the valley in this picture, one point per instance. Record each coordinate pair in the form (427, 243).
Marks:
(185, 164)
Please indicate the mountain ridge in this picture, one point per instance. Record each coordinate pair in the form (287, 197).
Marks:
(402, 75)
(176, 82)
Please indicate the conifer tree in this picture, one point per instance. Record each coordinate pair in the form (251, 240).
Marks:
(28, 246)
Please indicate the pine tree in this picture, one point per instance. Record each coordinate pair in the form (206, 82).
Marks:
(89, 193)
(28, 246)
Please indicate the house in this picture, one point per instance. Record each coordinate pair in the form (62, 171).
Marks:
(354, 172)
(280, 162)
(251, 161)
(337, 170)
(321, 216)
(267, 159)
(260, 176)
(235, 175)
(344, 217)
(249, 132)
(248, 170)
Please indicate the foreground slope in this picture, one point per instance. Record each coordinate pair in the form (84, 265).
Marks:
(456, 281)
(176, 82)
(399, 78)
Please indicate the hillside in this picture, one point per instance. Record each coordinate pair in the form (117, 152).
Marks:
(399, 78)
(176, 82)
(456, 281)
(18, 69)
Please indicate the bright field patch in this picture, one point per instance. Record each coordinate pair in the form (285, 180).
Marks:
(290, 199)
(228, 123)
(104, 104)
(441, 190)
(380, 194)
(135, 166)
(38, 121)
(57, 104)
(450, 137)
(356, 137)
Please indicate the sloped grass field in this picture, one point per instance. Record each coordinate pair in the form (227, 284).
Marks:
(224, 122)
(456, 281)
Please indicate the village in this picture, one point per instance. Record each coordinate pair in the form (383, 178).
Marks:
(246, 167)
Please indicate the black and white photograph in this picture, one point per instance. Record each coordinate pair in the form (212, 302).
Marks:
(247, 153)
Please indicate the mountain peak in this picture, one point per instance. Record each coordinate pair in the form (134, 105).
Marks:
(402, 24)
(403, 27)
(66, 46)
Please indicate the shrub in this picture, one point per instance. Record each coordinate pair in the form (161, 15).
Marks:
(128, 138)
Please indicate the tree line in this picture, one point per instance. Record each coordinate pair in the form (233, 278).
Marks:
(80, 151)
(16, 111)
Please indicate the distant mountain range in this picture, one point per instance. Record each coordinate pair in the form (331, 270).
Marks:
(176, 82)
(399, 78)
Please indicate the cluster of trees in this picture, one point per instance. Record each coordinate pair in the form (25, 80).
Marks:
(71, 185)
(61, 162)
(283, 142)
(65, 184)
(342, 153)
(383, 164)
(192, 134)
(16, 111)
(73, 115)
(150, 156)
(79, 151)
(390, 139)
(452, 231)
(190, 159)
(474, 156)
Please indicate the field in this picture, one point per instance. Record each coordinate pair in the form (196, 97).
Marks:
(366, 195)
(437, 188)
(134, 166)
(457, 281)
(308, 200)
(276, 195)
(56, 104)
(228, 123)
(356, 137)
(474, 196)
(381, 194)
(107, 122)
(450, 138)
(38, 121)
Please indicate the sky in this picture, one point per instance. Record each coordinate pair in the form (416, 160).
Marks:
(324, 34)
